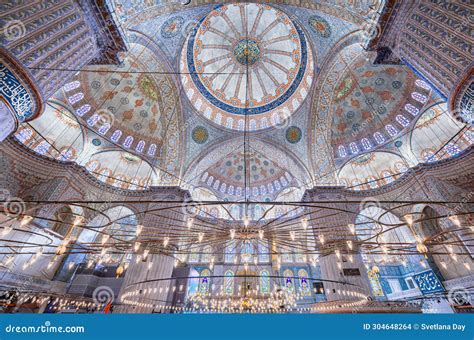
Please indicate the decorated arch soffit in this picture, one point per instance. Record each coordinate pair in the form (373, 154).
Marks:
(134, 107)
(271, 170)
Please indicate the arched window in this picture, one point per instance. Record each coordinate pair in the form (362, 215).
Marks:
(194, 256)
(71, 86)
(429, 156)
(401, 168)
(204, 281)
(104, 128)
(372, 181)
(402, 120)
(230, 250)
(246, 251)
(76, 97)
(128, 141)
(229, 282)
(91, 166)
(206, 254)
(304, 284)
(354, 148)
(366, 143)
(93, 119)
(391, 130)
(288, 280)
(411, 109)
(263, 251)
(116, 136)
(452, 149)
(24, 135)
(419, 97)
(422, 84)
(140, 146)
(265, 282)
(42, 148)
(387, 176)
(105, 175)
(379, 138)
(341, 150)
(83, 110)
(152, 150)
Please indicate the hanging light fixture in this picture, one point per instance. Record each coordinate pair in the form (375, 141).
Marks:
(292, 235)
(190, 222)
(105, 238)
(166, 241)
(246, 221)
(421, 247)
(260, 234)
(232, 234)
(136, 246)
(139, 229)
(352, 228)
(25, 220)
(200, 237)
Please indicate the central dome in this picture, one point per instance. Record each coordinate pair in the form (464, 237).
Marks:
(246, 59)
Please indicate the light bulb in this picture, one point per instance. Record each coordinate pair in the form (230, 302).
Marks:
(200, 237)
(145, 254)
(139, 229)
(166, 240)
(232, 234)
(136, 246)
(260, 234)
(349, 244)
(409, 219)
(292, 235)
(105, 238)
(321, 238)
(304, 223)
(25, 220)
(351, 228)
(190, 222)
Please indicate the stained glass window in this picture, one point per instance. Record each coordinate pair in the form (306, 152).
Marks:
(104, 128)
(128, 141)
(83, 110)
(422, 84)
(419, 97)
(288, 280)
(342, 151)
(452, 149)
(71, 86)
(206, 254)
(24, 135)
(152, 150)
(387, 175)
(263, 251)
(411, 109)
(230, 251)
(391, 130)
(304, 283)
(229, 282)
(42, 148)
(379, 138)
(93, 119)
(140, 146)
(429, 156)
(354, 148)
(366, 143)
(116, 135)
(265, 282)
(204, 281)
(76, 97)
(402, 120)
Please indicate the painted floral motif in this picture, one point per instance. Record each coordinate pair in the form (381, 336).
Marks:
(320, 26)
(171, 27)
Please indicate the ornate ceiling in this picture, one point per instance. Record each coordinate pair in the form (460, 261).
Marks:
(245, 100)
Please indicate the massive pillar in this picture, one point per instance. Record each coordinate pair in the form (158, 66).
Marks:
(432, 37)
(341, 263)
(42, 43)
